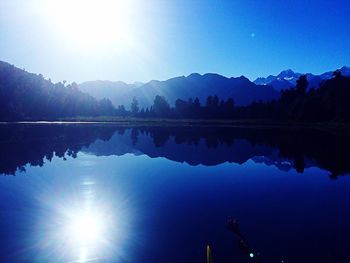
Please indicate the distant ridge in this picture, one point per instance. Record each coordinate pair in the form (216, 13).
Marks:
(194, 85)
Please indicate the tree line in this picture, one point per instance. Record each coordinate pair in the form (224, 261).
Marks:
(329, 102)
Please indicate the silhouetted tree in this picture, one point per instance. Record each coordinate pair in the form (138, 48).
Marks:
(121, 111)
(134, 106)
(181, 108)
(209, 102)
(196, 108)
(142, 113)
(337, 74)
(301, 85)
(161, 107)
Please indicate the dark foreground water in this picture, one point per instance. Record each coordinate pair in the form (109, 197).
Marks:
(94, 193)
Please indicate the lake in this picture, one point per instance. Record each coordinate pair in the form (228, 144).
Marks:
(107, 193)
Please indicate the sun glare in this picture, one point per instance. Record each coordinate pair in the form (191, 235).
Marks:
(87, 224)
(86, 233)
(92, 23)
(86, 228)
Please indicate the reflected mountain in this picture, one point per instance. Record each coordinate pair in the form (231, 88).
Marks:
(33, 144)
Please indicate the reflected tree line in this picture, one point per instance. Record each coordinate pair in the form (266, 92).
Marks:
(329, 152)
(23, 145)
(33, 144)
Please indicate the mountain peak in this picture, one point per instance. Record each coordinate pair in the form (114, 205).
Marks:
(286, 73)
(213, 75)
(194, 75)
(242, 77)
(287, 78)
(345, 71)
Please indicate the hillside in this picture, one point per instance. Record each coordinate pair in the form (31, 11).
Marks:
(25, 96)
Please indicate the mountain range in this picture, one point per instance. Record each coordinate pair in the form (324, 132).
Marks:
(195, 85)
(288, 78)
(24, 95)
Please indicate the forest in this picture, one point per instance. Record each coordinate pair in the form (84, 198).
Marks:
(328, 102)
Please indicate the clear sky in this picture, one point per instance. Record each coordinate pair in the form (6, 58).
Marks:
(140, 40)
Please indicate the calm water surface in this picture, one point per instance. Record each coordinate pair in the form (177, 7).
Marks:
(102, 193)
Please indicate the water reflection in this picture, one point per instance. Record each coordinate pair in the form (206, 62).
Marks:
(97, 193)
(284, 148)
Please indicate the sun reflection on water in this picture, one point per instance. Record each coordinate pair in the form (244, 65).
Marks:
(84, 226)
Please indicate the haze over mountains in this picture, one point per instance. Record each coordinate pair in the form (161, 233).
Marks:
(195, 85)
(27, 96)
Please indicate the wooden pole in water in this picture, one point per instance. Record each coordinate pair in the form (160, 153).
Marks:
(209, 256)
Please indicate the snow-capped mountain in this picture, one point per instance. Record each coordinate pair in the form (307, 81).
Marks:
(287, 78)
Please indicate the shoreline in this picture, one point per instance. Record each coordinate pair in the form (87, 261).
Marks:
(342, 127)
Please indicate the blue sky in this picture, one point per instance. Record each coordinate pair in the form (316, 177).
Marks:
(172, 38)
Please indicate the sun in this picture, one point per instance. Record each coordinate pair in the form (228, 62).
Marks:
(92, 23)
